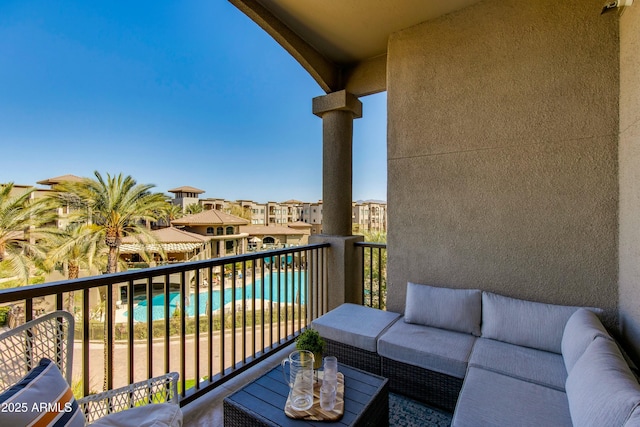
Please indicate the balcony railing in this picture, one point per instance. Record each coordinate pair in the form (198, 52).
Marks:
(374, 274)
(209, 320)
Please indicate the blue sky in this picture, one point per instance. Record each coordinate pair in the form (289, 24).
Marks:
(171, 93)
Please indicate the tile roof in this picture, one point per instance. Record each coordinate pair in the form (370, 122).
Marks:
(171, 239)
(210, 217)
(172, 235)
(271, 230)
(59, 179)
(186, 189)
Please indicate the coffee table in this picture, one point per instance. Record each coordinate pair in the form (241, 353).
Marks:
(262, 402)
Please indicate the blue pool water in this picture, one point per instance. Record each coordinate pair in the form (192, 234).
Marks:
(294, 292)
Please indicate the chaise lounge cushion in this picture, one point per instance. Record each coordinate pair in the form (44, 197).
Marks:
(430, 348)
(581, 329)
(492, 399)
(528, 364)
(601, 389)
(527, 323)
(453, 309)
(355, 325)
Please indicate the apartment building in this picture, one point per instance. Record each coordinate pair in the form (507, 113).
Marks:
(369, 216)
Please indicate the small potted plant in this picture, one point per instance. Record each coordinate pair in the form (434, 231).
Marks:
(311, 340)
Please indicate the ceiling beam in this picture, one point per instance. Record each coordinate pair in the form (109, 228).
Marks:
(327, 74)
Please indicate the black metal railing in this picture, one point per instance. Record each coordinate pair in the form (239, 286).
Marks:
(374, 274)
(208, 320)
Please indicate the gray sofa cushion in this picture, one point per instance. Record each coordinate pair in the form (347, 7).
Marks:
(355, 325)
(453, 309)
(435, 349)
(601, 389)
(528, 364)
(581, 329)
(492, 399)
(526, 323)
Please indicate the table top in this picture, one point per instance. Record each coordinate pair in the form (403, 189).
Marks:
(265, 398)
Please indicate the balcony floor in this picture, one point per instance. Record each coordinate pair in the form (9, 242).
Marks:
(208, 411)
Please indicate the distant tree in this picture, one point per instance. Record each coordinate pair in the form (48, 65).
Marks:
(171, 212)
(375, 270)
(21, 221)
(80, 246)
(194, 208)
(242, 212)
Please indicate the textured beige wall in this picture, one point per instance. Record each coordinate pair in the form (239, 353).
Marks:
(502, 155)
(629, 158)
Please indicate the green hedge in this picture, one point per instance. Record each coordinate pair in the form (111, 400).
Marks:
(3, 315)
(96, 328)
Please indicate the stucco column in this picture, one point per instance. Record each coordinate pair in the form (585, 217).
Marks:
(337, 110)
(344, 260)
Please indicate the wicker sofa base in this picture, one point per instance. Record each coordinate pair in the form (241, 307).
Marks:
(436, 389)
(354, 356)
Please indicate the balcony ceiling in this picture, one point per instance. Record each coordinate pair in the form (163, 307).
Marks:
(349, 31)
(330, 36)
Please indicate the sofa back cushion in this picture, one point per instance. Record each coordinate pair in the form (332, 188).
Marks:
(601, 389)
(457, 310)
(581, 329)
(526, 323)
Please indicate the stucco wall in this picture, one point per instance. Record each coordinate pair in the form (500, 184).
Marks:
(629, 158)
(502, 155)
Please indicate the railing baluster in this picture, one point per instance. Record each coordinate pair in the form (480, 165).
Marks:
(286, 297)
(253, 307)
(223, 326)
(167, 323)
(183, 330)
(85, 342)
(196, 319)
(244, 311)
(262, 297)
(109, 320)
(130, 335)
(210, 323)
(150, 327)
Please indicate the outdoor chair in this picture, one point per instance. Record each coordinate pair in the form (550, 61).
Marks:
(26, 349)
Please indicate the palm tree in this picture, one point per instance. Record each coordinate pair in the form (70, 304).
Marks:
(194, 208)
(115, 207)
(79, 246)
(20, 217)
(171, 212)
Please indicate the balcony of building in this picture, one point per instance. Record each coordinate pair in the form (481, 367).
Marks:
(217, 322)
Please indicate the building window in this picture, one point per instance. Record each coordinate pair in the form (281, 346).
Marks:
(209, 230)
(269, 240)
(230, 230)
(219, 231)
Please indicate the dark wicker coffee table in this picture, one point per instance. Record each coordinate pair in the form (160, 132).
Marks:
(261, 402)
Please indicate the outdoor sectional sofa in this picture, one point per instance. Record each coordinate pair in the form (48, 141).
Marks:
(490, 359)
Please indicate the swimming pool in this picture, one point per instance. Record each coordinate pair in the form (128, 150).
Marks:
(291, 281)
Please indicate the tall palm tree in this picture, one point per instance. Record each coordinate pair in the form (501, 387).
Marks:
(115, 207)
(20, 217)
